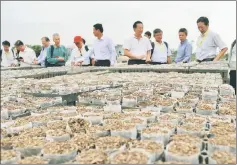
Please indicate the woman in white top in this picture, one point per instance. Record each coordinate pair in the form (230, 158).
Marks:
(77, 57)
(232, 65)
(8, 58)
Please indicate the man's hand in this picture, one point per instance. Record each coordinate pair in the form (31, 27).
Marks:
(13, 65)
(61, 59)
(93, 62)
(148, 60)
(215, 60)
(78, 63)
(35, 62)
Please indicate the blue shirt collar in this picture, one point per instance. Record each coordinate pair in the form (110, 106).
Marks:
(185, 41)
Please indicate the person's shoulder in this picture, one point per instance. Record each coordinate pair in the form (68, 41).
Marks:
(129, 39)
(213, 33)
(28, 49)
(189, 43)
(62, 46)
(74, 49)
(146, 39)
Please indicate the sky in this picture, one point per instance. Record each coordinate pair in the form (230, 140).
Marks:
(30, 21)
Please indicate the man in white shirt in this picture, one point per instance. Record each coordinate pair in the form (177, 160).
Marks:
(161, 52)
(103, 52)
(137, 48)
(41, 58)
(77, 57)
(27, 55)
(232, 65)
(208, 43)
(8, 57)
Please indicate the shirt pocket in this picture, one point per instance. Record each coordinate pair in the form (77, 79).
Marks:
(209, 44)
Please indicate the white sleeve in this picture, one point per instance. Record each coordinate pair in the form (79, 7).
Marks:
(29, 57)
(169, 52)
(219, 42)
(149, 47)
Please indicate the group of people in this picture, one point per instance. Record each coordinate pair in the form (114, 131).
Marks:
(138, 48)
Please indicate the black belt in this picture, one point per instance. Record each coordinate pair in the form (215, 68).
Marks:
(136, 62)
(205, 60)
(158, 63)
(102, 63)
(86, 65)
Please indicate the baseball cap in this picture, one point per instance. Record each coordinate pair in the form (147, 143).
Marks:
(77, 39)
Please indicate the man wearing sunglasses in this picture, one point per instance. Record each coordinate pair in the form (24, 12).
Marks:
(77, 57)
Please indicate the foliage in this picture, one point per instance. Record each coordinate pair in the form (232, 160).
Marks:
(36, 48)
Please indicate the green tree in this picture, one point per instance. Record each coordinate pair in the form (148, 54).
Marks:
(36, 48)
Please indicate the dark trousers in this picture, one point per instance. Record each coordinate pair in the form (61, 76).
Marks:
(158, 63)
(136, 62)
(102, 63)
(233, 79)
(205, 60)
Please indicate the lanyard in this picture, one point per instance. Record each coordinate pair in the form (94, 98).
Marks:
(200, 42)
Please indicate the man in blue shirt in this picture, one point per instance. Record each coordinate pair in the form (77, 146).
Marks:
(185, 48)
(41, 58)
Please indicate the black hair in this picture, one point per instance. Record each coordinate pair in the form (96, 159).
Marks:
(204, 20)
(148, 33)
(184, 31)
(46, 39)
(84, 41)
(135, 24)
(157, 31)
(99, 27)
(6, 43)
(18, 43)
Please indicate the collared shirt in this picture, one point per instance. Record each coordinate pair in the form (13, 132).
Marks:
(28, 55)
(60, 51)
(160, 53)
(184, 52)
(137, 46)
(77, 55)
(232, 58)
(41, 58)
(207, 45)
(8, 58)
(102, 49)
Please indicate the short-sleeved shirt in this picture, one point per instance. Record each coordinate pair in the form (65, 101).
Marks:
(160, 53)
(28, 55)
(207, 45)
(136, 46)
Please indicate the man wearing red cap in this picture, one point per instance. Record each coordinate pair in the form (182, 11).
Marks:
(77, 57)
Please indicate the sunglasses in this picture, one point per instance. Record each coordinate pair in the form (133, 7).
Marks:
(77, 43)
